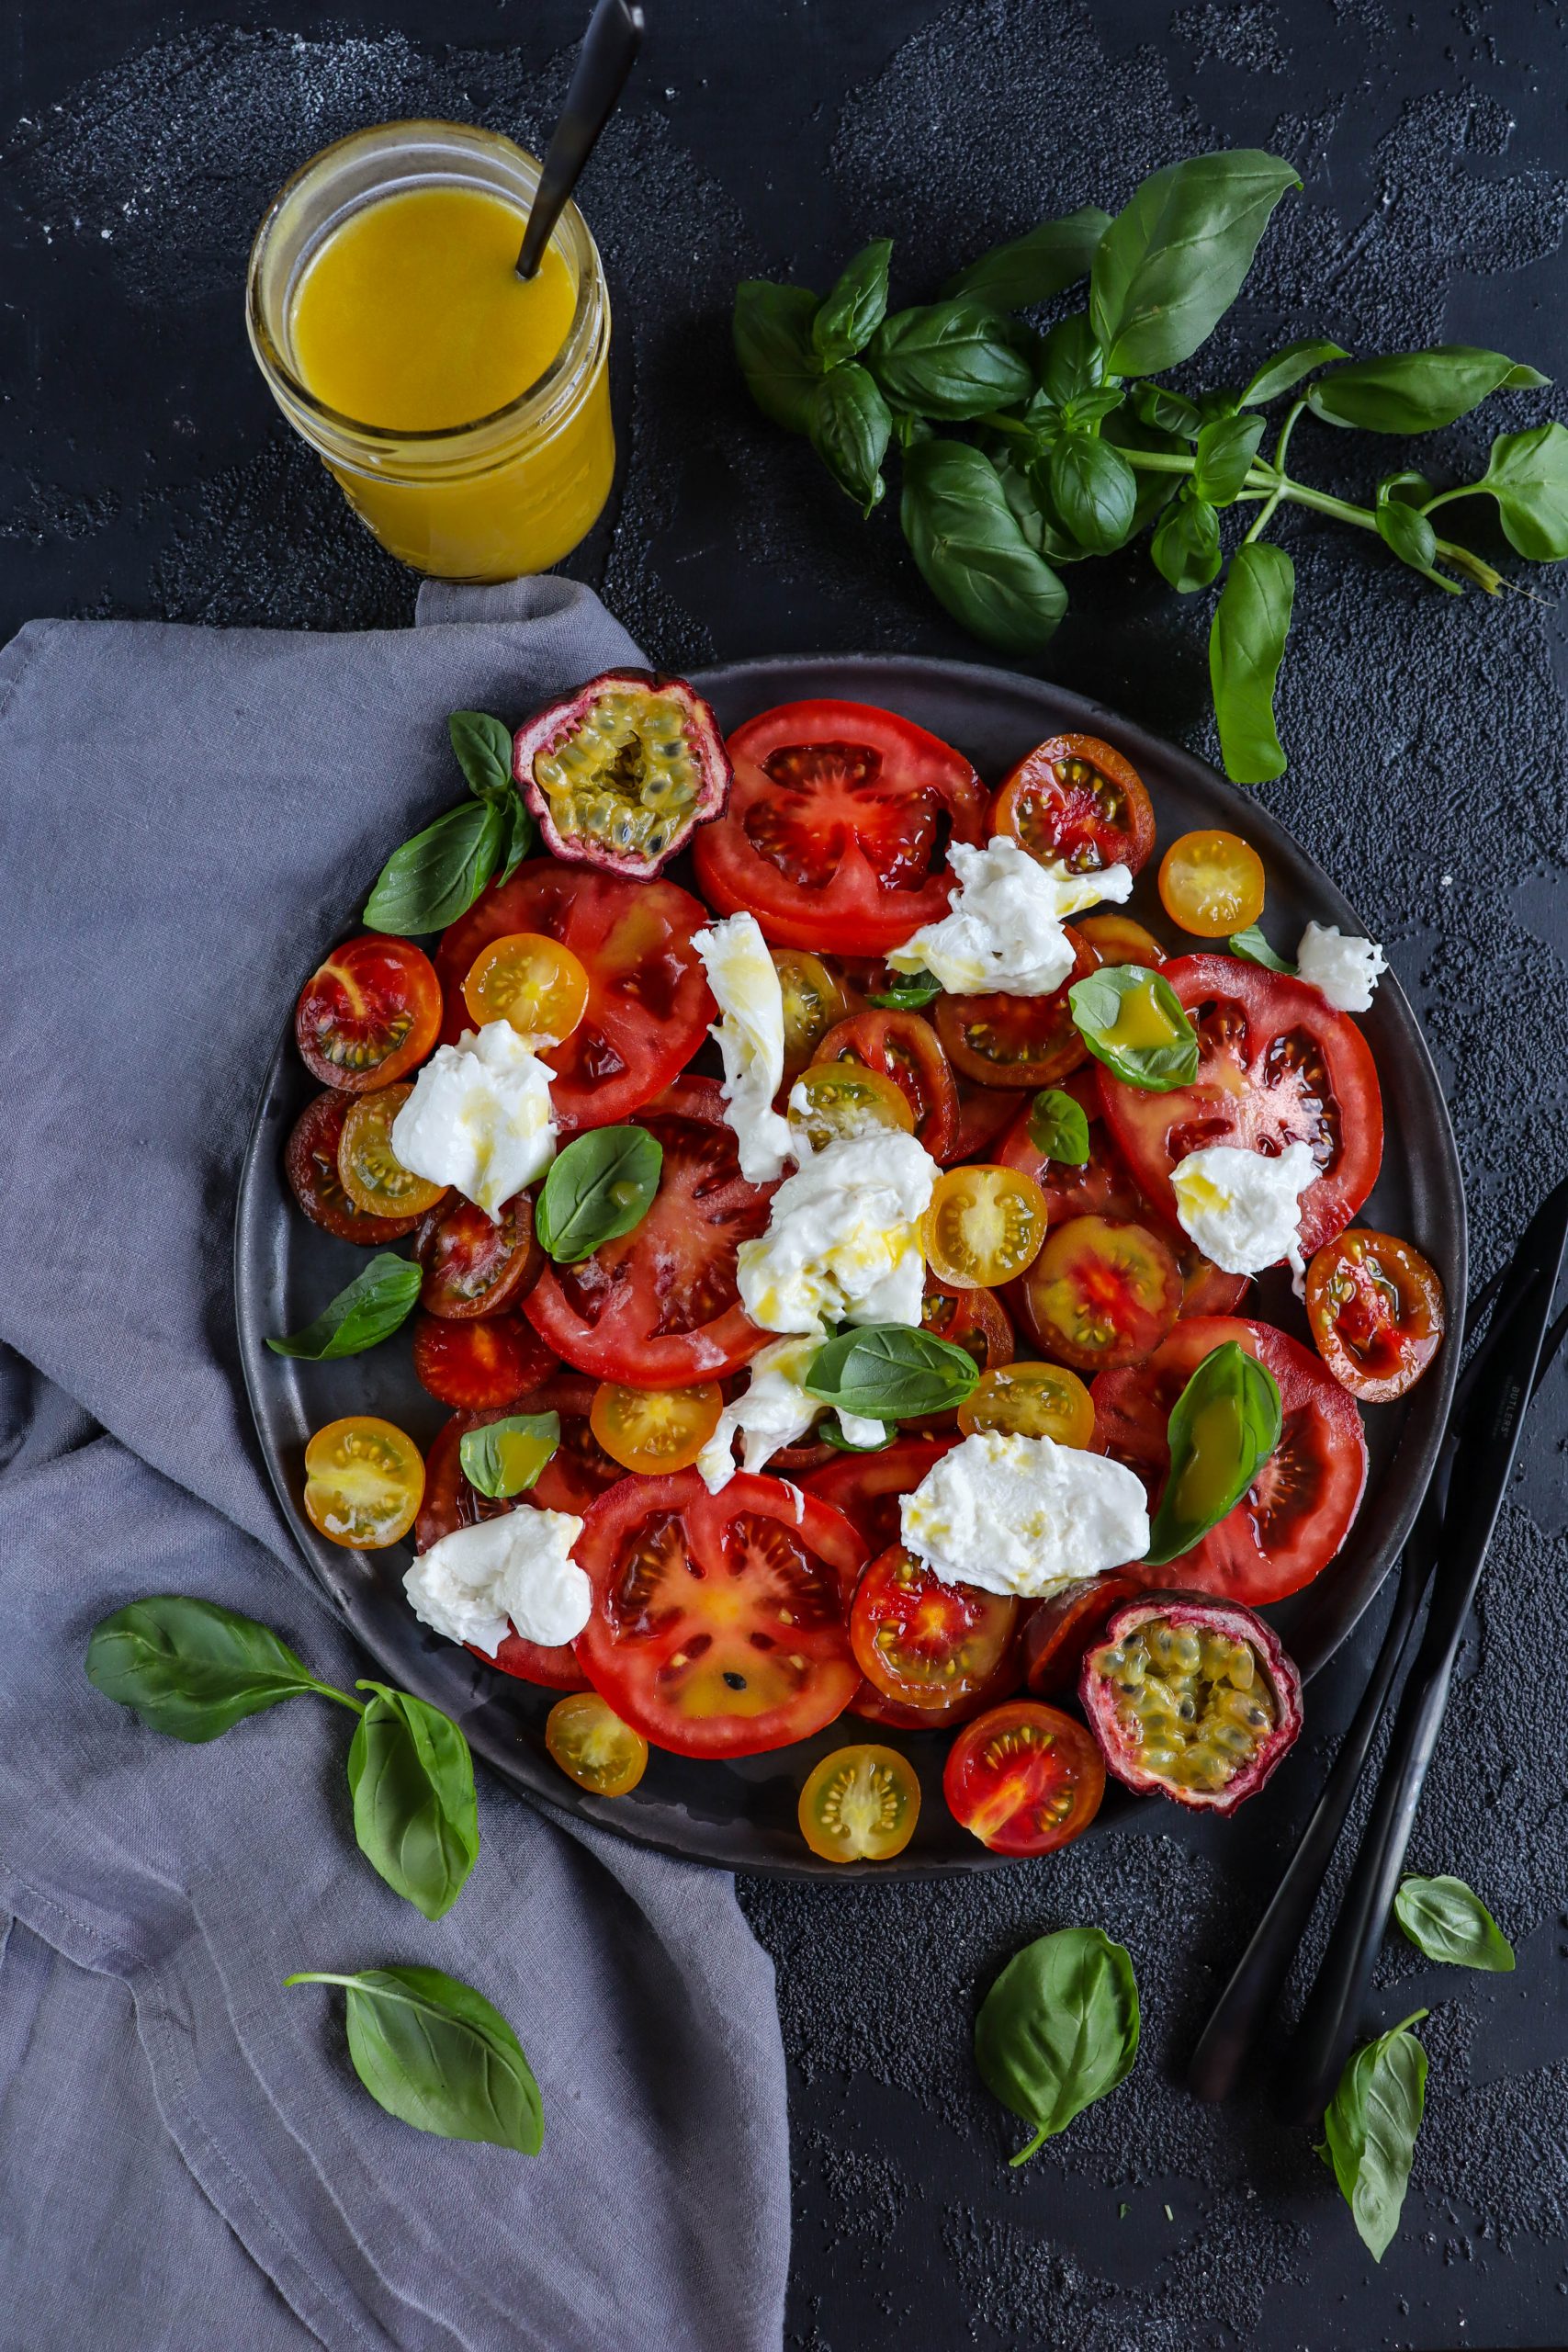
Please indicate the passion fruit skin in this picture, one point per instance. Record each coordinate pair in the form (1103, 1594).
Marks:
(1226, 1621)
(645, 841)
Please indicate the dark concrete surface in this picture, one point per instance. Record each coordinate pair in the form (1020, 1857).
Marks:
(143, 472)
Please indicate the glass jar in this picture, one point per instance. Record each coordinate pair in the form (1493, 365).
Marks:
(510, 492)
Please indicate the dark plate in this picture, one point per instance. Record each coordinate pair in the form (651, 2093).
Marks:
(743, 1815)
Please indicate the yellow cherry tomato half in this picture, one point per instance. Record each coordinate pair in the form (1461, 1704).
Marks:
(654, 1429)
(593, 1747)
(815, 1001)
(860, 1804)
(839, 1099)
(984, 1225)
(363, 1482)
(534, 982)
(1119, 939)
(1212, 884)
(1031, 1400)
(369, 1169)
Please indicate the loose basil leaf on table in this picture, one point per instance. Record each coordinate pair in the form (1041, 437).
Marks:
(1416, 392)
(1286, 369)
(1094, 491)
(505, 1457)
(851, 426)
(1035, 267)
(371, 1308)
(1097, 1002)
(1251, 944)
(911, 993)
(1058, 2030)
(1185, 548)
(1246, 644)
(437, 875)
(1223, 1428)
(484, 746)
(1227, 446)
(1059, 1128)
(773, 343)
(192, 1670)
(950, 359)
(851, 311)
(1449, 1922)
(891, 1372)
(1369, 2127)
(1172, 263)
(415, 1815)
(1527, 476)
(435, 2053)
(972, 551)
(600, 1187)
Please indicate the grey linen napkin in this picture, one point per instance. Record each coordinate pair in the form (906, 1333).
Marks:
(186, 2157)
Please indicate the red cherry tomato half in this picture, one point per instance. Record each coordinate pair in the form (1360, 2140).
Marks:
(1017, 1041)
(472, 1266)
(716, 1626)
(310, 1162)
(1277, 1066)
(649, 1005)
(838, 826)
(1024, 1779)
(872, 1707)
(922, 1642)
(1297, 1513)
(1103, 1291)
(904, 1047)
(867, 1486)
(479, 1367)
(1063, 1628)
(1376, 1310)
(975, 1320)
(1117, 938)
(660, 1307)
(371, 1012)
(1075, 800)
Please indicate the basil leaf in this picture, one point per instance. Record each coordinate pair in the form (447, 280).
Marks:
(191, 1668)
(1286, 369)
(971, 550)
(1068, 362)
(1223, 1429)
(830, 1434)
(1170, 411)
(1369, 2130)
(1029, 502)
(369, 1310)
(1252, 944)
(951, 359)
(1449, 1922)
(771, 328)
(518, 840)
(415, 1816)
(505, 1457)
(1059, 1128)
(484, 753)
(1415, 391)
(1098, 1003)
(1089, 408)
(888, 1372)
(1036, 267)
(1172, 263)
(437, 877)
(1527, 475)
(1094, 491)
(600, 1186)
(1127, 430)
(435, 2053)
(911, 993)
(853, 309)
(1227, 446)
(851, 427)
(1247, 643)
(1057, 2029)
(1186, 545)
(1406, 530)
(1410, 488)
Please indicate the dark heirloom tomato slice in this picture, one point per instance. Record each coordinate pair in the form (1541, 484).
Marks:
(1277, 1066)
(1102, 1293)
(983, 1112)
(872, 1707)
(1077, 800)
(473, 1267)
(1297, 1513)
(1024, 1779)
(649, 1004)
(866, 1487)
(1207, 1289)
(1117, 938)
(576, 1474)
(975, 1320)
(1017, 1041)
(1376, 1310)
(922, 1642)
(837, 830)
(310, 1162)
(1070, 1622)
(479, 1367)
(369, 1013)
(903, 1046)
(660, 1307)
(716, 1626)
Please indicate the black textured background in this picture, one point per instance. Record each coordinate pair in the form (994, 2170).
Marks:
(143, 472)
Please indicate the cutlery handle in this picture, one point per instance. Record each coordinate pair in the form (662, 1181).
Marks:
(608, 53)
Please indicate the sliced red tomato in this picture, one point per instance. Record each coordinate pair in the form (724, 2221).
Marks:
(1024, 1779)
(866, 1487)
(1017, 1041)
(660, 1307)
(474, 1266)
(904, 1047)
(1376, 1309)
(649, 1005)
(369, 1013)
(1070, 1622)
(1207, 1289)
(1295, 1516)
(716, 1626)
(1076, 800)
(1277, 1066)
(838, 826)
(310, 1162)
(984, 1111)
(923, 1642)
(1102, 1292)
(479, 1367)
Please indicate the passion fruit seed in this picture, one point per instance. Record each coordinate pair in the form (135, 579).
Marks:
(1191, 1706)
(624, 775)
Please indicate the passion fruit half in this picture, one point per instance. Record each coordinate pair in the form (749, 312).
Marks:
(1195, 1698)
(621, 772)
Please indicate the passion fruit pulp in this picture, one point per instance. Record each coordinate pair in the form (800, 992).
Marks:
(1195, 1698)
(620, 773)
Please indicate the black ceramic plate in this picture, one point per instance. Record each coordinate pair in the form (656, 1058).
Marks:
(743, 1815)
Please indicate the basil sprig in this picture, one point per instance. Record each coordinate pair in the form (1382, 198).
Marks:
(891, 1372)
(415, 1816)
(909, 992)
(438, 874)
(1251, 944)
(367, 1311)
(1095, 1003)
(1172, 262)
(505, 1457)
(1449, 1922)
(437, 2055)
(1058, 1126)
(1058, 2030)
(1369, 2127)
(1223, 1428)
(600, 1186)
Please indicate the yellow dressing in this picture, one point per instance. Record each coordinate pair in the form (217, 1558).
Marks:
(1141, 1020)
(1201, 1484)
